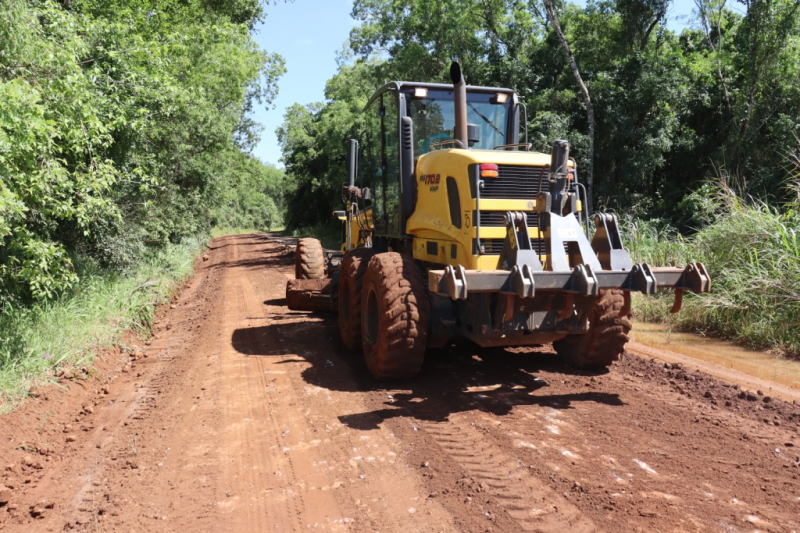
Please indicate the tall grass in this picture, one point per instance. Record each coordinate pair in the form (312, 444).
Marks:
(34, 341)
(752, 252)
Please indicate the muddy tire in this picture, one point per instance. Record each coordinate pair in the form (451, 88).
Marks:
(606, 338)
(351, 283)
(308, 260)
(394, 317)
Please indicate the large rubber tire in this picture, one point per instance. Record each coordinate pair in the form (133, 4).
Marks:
(605, 341)
(394, 317)
(308, 260)
(351, 283)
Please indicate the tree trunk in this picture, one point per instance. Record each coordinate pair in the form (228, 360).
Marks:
(589, 173)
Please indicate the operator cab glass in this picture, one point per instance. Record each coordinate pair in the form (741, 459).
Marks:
(434, 118)
(379, 162)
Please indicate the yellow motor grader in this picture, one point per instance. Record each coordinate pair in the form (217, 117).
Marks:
(452, 227)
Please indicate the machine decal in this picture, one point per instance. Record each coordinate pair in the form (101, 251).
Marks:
(466, 219)
(432, 180)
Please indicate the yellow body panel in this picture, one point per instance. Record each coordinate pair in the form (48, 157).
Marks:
(431, 223)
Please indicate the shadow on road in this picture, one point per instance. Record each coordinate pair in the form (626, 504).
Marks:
(461, 377)
(253, 259)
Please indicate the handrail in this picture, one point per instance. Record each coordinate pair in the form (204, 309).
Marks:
(448, 141)
(527, 146)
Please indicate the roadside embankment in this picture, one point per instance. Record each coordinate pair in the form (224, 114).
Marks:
(40, 342)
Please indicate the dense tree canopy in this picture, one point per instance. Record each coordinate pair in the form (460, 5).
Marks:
(672, 109)
(124, 125)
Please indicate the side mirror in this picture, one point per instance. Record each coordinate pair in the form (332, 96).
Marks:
(352, 161)
(366, 194)
(473, 134)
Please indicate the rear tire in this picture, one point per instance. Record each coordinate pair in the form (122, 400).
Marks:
(308, 260)
(351, 283)
(394, 317)
(605, 341)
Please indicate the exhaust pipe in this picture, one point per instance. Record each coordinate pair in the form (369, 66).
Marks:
(460, 96)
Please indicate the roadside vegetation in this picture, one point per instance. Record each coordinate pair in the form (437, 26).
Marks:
(125, 137)
(752, 252)
(58, 335)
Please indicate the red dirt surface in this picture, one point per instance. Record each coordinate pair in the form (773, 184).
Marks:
(243, 416)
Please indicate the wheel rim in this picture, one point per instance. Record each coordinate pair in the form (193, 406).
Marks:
(372, 317)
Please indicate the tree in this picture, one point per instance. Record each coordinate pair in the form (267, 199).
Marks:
(114, 118)
(650, 114)
(586, 99)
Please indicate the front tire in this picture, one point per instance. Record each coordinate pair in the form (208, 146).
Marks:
(351, 283)
(394, 317)
(308, 260)
(605, 341)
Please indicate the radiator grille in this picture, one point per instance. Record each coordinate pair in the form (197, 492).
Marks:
(495, 246)
(514, 182)
(494, 219)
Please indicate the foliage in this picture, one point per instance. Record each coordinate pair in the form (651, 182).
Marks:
(314, 144)
(671, 108)
(124, 132)
(123, 128)
(251, 195)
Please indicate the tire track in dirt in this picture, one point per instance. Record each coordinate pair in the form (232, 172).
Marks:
(488, 469)
(316, 477)
(534, 506)
(254, 429)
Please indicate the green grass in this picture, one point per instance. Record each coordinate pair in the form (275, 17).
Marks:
(752, 253)
(65, 333)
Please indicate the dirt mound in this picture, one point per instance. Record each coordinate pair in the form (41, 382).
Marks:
(756, 405)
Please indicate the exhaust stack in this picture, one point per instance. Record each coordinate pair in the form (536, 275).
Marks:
(460, 96)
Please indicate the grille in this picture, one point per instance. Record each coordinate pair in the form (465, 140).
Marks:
(494, 219)
(515, 182)
(495, 246)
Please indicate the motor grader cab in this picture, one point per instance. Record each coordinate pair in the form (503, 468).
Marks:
(455, 228)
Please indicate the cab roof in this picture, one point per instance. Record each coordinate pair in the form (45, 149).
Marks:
(400, 85)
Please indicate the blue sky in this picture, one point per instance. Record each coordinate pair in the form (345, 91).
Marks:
(308, 34)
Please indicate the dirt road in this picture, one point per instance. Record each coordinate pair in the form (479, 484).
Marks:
(243, 416)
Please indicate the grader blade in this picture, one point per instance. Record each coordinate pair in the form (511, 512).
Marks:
(309, 294)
